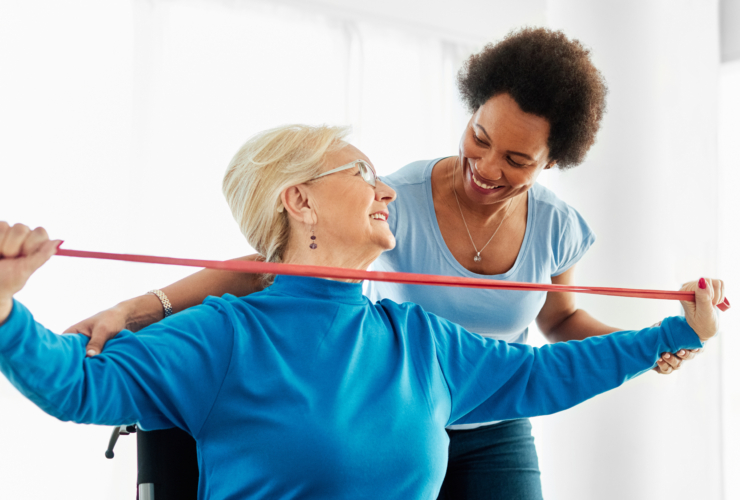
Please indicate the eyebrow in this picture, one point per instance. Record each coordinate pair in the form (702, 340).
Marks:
(509, 152)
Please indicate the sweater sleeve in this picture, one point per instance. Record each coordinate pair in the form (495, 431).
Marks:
(166, 375)
(494, 380)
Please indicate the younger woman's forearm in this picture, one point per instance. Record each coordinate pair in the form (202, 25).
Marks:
(146, 309)
(578, 326)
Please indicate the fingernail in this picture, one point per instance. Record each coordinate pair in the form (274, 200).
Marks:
(727, 302)
(60, 244)
(667, 356)
(681, 352)
(91, 352)
(702, 283)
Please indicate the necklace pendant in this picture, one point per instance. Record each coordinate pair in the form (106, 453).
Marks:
(477, 258)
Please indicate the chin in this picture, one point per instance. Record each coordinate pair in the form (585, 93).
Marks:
(389, 243)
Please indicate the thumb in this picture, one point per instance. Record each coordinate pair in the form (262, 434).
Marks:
(704, 295)
(42, 255)
(704, 320)
(94, 346)
(98, 339)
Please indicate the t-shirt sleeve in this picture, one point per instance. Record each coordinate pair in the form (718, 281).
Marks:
(570, 241)
(495, 380)
(168, 374)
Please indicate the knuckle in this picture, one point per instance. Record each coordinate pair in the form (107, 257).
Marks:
(20, 228)
(40, 232)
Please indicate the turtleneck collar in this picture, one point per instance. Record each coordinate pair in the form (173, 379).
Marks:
(318, 288)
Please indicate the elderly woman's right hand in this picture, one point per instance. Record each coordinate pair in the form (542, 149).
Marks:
(702, 315)
(22, 252)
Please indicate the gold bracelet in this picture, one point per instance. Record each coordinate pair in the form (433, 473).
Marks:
(166, 304)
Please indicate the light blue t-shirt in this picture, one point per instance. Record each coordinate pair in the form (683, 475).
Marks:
(556, 238)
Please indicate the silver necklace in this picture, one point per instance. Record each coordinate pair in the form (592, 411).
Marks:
(477, 257)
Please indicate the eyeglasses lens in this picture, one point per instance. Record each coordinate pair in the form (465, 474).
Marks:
(367, 173)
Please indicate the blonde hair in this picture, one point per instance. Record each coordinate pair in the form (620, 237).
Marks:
(264, 166)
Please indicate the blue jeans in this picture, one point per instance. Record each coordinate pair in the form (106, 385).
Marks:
(493, 462)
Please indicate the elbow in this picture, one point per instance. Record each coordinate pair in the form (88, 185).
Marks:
(554, 329)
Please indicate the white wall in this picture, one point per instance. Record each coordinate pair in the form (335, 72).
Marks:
(729, 266)
(649, 190)
(118, 118)
(461, 21)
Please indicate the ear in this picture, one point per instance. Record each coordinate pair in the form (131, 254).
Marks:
(298, 203)
(551, 164)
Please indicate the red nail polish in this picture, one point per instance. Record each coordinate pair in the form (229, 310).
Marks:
(702, 283)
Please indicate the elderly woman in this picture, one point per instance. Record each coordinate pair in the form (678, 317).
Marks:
(537, 102)
(308, 389)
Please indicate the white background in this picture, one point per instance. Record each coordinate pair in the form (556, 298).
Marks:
(117, 120)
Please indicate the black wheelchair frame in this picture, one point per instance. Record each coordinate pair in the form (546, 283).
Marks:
(167, 463)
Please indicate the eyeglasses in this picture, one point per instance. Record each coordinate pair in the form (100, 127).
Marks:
(366, 171)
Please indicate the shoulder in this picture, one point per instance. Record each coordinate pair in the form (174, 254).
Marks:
(412, 316)
(548, 201)
(414, 173)
(554, 210)
(404, 316)
(223, 304)
(412, 184)
(227, 309)
(561, 228)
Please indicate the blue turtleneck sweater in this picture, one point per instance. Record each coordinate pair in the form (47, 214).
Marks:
(309, 390)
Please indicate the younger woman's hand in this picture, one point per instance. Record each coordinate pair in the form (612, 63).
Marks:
(100, 328)
(22, 252)
(702, 315)
(670, 362)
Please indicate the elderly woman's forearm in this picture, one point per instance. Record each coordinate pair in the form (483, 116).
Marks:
(555, 377)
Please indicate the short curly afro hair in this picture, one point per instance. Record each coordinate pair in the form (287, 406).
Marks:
(548, 75)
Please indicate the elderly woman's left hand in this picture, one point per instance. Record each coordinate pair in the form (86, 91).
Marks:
(670, 362)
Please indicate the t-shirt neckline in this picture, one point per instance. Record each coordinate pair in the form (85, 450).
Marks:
(427, 179)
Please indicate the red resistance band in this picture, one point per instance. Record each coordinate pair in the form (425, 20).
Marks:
(406, 278)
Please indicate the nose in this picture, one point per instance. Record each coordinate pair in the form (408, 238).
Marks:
(488, 170)
(383, 192)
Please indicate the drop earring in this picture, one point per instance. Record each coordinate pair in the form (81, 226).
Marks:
(313, 245)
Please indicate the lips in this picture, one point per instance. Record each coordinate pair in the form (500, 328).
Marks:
(482, 186)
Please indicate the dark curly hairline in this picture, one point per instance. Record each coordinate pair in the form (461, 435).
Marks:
(547, 75)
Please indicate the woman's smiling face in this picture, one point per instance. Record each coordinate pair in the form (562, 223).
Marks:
(502, 151)
(351, 213)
